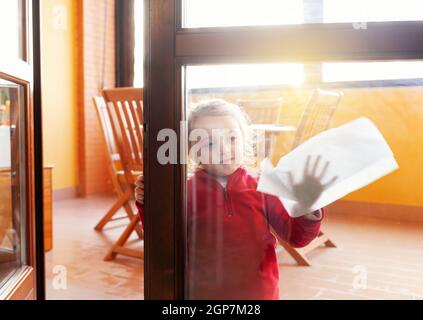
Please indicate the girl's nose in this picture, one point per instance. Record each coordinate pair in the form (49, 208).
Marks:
(225, 147)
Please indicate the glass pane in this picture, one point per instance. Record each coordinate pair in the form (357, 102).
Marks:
(244, 75)
(238, 115)
(11, 28)
(371, 11)
(367, 71)
(12, 177)
(221, 13)
(224, 13)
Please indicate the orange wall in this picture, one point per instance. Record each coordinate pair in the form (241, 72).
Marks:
(72, 74)
(397, 112)
(59, 90)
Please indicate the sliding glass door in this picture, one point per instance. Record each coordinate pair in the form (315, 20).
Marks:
(204, 58)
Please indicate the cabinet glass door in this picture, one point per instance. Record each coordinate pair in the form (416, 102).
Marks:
(12, 177)
(21, 259)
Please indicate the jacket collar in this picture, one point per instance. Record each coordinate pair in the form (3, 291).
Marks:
(203, 175)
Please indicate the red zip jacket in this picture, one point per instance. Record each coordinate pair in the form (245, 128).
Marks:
(231, 250)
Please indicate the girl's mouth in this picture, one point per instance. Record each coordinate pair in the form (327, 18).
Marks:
(228, 161)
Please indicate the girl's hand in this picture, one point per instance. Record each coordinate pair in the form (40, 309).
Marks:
(139, 189)
(309, 189)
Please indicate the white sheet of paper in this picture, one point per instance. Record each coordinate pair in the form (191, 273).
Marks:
(358, 155)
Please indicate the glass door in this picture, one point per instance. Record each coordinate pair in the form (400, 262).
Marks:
(12, 181)
(18, 263)
(205, 58)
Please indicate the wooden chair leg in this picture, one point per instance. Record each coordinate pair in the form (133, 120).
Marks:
(300, 258)
(118, 247)
(128, 208)
(299, 254)
(322, 239)
(329, 242)
(130, 213)
(122, 199)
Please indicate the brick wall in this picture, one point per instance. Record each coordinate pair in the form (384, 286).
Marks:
(97, 71)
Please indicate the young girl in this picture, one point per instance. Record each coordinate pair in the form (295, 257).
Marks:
(231, 247)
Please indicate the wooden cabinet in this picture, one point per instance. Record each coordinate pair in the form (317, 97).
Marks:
(5, 207)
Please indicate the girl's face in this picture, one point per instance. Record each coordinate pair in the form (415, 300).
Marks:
(218, 143)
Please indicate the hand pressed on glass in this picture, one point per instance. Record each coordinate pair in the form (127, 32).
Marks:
(139, 189)
(308, 190)
(358, 153)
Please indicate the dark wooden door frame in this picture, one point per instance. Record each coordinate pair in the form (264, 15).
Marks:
(168, 48)
(159, 99)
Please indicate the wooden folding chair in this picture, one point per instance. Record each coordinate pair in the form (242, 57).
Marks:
(124, 107)
(317, 115)
(315, 119)
(121, 188)
(263, 112)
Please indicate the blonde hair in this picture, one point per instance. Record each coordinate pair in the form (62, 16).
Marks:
(220, 107)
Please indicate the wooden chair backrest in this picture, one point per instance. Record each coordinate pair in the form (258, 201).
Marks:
(125, 109)
(317, 115)
(262, 111)
(113, 158)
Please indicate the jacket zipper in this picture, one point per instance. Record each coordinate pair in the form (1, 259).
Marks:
(227, 203)
(226, 196)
